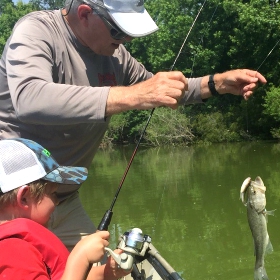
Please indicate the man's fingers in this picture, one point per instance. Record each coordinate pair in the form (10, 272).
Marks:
(255, 74)
(174, 76)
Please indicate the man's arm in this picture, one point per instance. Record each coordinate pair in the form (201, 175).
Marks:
(170, 88)
(163, 89)
(237, 82)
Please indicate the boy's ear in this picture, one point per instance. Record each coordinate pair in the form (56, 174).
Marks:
(23, 196)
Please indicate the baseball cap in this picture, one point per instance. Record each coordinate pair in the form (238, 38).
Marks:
(23, 161)
(130, 16)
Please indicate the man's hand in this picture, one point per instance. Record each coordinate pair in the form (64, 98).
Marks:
(163, 89)
(238, 82)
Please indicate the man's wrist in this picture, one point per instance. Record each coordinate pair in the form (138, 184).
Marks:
(212, 87)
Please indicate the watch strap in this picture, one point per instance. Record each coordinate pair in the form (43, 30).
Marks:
(211, 85)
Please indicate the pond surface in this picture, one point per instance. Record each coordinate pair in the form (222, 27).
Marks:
(187, 200)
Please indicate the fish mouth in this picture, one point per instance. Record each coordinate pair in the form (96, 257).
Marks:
(245, 184)
(257, 184)
(243, 189)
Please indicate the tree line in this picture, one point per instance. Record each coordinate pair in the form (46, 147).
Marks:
(220, 35)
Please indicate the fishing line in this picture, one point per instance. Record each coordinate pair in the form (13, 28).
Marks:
(105, 222)
(268, 54)
(247, 117)
(187, 36)
(209, 23)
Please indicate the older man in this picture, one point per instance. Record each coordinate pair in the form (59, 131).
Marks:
(63, 73)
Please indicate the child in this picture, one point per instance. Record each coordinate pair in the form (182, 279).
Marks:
(29, 178)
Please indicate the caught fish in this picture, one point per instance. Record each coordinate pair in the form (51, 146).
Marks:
(257, 219)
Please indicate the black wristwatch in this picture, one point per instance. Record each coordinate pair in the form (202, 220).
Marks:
(211, 85)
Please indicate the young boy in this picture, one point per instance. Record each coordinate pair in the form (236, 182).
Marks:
(29, 178)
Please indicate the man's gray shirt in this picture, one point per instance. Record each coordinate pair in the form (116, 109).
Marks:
(53, 89)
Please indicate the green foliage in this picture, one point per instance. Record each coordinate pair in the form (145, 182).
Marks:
(159, 50)
(227, 34)
(169, 127)
(127, 127)
(275, 132)
(272, 103)
(10, 14)
(3, 4)
(272, 110)
(213, 128)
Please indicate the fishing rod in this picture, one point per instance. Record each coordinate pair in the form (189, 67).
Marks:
(105, 222)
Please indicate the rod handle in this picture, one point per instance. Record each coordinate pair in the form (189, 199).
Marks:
(105, 222)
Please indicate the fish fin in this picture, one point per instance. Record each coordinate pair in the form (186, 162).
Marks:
(271, 212)
(260, 274)
(268, 213)
(269, 247)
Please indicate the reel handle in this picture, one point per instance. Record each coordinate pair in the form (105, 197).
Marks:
(124, 260)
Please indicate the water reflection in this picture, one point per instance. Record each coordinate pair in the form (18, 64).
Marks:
(187, 200)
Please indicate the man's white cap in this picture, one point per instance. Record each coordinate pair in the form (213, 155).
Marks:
(131, 17)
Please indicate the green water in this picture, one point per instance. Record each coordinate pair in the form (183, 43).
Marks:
(187, 200)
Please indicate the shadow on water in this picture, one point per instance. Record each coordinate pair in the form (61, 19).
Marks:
(187, 200)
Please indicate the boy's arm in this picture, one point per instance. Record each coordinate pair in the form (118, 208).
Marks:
(87, 251)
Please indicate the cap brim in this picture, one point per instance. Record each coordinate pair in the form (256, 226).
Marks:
(67, 175)
(134, 24)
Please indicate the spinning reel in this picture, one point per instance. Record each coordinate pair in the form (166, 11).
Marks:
(136, 248)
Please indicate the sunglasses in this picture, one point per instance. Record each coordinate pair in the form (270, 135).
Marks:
(115, 32)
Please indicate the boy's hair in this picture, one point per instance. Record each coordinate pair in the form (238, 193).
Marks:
(37, 190)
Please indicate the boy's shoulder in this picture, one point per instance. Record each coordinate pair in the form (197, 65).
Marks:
(23, 258)
(24, 239)
(22, 228)
(32, 232)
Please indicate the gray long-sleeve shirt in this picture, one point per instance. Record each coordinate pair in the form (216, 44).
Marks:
(53, 90)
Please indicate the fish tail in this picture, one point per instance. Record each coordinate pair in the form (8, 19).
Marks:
(260, 274)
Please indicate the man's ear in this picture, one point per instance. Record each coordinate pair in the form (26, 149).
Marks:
(84, 11)
(23, 196)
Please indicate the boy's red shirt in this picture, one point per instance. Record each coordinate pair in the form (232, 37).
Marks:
(30, 251)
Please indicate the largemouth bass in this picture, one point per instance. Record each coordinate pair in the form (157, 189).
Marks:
(257, 219)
